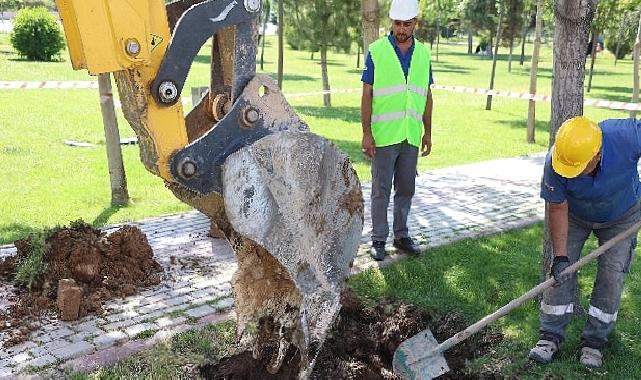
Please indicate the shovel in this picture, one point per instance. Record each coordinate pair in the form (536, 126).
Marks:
(421, 357)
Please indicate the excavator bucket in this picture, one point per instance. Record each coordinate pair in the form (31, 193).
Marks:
(287, 200)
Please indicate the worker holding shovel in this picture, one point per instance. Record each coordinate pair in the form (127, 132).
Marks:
(591, 185)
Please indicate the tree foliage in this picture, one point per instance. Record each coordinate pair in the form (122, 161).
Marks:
(312, 23)
(36, 34)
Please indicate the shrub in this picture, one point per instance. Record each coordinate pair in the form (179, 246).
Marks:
(36, 34)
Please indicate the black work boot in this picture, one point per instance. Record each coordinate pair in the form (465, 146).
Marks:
(407, 245)
(377, 251)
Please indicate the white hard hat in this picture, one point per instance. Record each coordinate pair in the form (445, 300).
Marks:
(403, 10)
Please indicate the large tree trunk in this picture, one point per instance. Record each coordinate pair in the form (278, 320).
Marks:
(595, 35)
(531, 112)
(281, 48)
(370, 24)
(573, 19)
(469, 41)
(119, 193)
(488, 105)
(635, 56)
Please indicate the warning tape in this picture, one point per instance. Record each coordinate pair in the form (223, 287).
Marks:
(50, 84)
(599, 103)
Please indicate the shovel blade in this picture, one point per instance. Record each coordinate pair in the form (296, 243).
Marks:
(418, 359)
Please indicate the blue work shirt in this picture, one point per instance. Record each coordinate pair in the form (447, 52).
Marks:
(404, 59)
(615, 186)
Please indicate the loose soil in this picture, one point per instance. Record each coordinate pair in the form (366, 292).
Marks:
(361, 345)
(104, 266)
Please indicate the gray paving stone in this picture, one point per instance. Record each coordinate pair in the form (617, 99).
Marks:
(42, 361)
(200, 311)
(118, 325)
(6, 372)
(109, 339)
(73, 350)
(167, 321)
(139, 328)
(224, 304)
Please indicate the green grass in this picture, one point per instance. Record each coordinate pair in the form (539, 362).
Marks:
(29, 268)
(476, 277)
(176, 359)
(48, 183)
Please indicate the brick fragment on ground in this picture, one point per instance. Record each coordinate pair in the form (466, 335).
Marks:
(69, 298)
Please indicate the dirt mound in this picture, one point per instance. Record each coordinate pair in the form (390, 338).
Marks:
(361, 345)
(103, 266)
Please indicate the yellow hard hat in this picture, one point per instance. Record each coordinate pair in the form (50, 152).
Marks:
(577, 142)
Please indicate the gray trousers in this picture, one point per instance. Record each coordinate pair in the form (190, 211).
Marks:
(613, 265)
(398, 163)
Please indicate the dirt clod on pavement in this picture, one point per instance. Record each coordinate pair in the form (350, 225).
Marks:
(103, 267)
(361, 345)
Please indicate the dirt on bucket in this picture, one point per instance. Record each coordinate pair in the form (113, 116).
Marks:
(361, 345)
(103, 266)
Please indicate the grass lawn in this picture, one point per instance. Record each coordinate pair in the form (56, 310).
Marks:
(48, 183)
(471, 277)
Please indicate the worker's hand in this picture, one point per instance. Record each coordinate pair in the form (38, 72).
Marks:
(369, 146)
(426, 145)
(559, 264)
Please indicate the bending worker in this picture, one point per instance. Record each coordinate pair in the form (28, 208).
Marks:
(591, 185)
(396, 107)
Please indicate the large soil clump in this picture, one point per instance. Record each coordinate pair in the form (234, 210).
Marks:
(103, 266)
(361, 345)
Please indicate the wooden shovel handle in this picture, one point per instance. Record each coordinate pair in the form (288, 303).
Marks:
(473, 329)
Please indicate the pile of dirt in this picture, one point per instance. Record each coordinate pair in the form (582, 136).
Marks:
(361, 345)
(103, 266)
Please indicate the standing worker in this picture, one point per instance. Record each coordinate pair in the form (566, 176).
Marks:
(396, 106)
(591, 185)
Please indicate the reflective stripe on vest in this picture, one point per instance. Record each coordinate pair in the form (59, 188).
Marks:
(398, 105)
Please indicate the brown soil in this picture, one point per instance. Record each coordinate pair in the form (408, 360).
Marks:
(104, 266)
(361, 346)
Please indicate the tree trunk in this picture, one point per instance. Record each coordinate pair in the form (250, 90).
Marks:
(358, 57)
(635, 56)
(119, 193)
(469, 41)
(438, 37)
(523, 38)
(488, 105)
(616, 52)
(262, 48)
(573, 19)
(281, 52)
(595, 35)
(370, 24)
(531, 112)
(509, 59)
(327, 100)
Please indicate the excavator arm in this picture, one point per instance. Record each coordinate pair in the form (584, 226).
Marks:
(288, 201)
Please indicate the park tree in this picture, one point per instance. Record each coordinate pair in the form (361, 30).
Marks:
(481, 16)
(325, 24)
(604, 16)
(488, 105)
(513, 26)
(531, 113)
(433, 15)
(264, 20)
(370, 23)
(573, 21)
(636, 52)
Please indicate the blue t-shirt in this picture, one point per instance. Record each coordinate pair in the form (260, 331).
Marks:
(404, 59)
(615, 186)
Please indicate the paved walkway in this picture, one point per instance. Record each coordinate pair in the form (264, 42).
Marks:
(450, 204)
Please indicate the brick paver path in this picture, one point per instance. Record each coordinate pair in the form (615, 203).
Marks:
(450, 204)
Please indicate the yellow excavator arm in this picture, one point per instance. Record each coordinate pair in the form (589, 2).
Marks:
(288, 201)
(106, 36)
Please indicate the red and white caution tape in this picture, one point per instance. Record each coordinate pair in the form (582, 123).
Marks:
(50, 84)
(600, 103)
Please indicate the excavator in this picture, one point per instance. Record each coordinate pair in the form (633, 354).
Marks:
(288, 201)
